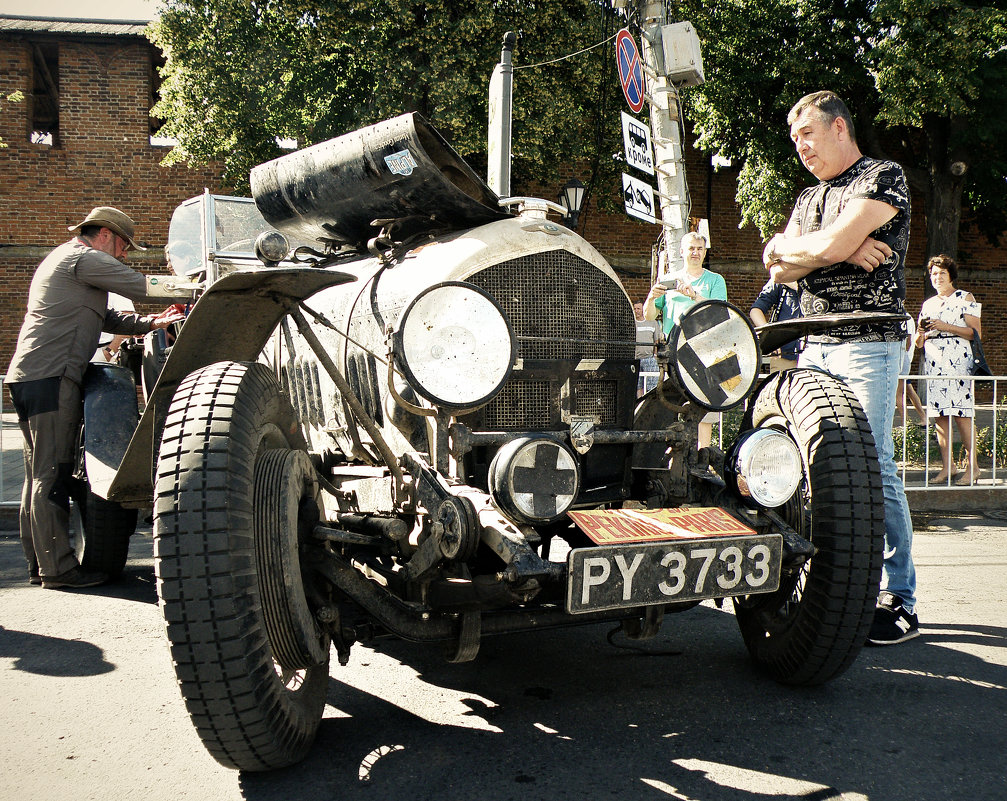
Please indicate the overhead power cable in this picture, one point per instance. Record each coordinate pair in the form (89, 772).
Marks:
(564, 58)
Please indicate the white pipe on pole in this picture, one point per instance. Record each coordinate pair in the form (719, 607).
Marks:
(669, 163)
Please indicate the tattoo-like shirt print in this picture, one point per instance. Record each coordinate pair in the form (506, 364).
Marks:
(845, 287)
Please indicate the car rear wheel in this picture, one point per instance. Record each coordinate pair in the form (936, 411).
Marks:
(813, 627)
(102, 529)
(231, 485)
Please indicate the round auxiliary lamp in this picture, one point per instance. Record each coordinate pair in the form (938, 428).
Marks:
(715, 355)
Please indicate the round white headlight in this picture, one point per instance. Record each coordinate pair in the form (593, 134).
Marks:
(534, 479)
(716, 354)
(455, 346)
(767, 467)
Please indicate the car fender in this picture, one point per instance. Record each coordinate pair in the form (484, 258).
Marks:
(231, 321)
(774, 335)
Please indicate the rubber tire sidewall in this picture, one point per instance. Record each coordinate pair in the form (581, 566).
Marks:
(101, 528)
(204, 546)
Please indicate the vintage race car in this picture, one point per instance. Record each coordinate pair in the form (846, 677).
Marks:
(400, 408)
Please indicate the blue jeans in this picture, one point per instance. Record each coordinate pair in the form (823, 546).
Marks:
(871, 370)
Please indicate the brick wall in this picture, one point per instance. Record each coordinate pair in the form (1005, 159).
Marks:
(103, 157)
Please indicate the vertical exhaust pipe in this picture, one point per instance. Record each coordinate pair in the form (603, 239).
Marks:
(500, 114)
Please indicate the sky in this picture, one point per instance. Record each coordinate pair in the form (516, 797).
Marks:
(83, 9)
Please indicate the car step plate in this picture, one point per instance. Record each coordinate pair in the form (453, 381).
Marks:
(645, 574)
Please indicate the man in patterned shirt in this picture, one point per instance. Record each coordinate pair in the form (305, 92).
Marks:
(846, 246)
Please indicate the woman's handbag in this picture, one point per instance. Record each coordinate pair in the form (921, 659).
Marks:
(979, 365)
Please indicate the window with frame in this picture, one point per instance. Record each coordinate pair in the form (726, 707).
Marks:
(44, 110)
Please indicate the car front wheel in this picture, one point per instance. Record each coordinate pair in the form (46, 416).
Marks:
(232, 481)
(813, 627)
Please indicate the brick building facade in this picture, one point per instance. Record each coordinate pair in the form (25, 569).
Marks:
(89, 86)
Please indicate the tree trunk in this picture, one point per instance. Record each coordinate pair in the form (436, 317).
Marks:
(946, 178)
(944, 211)
(944, 196)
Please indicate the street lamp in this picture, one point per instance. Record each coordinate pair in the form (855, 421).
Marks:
(571, 196)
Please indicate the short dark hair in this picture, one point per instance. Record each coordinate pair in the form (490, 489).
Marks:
(829, 104)
(944, 262)
(90, 231)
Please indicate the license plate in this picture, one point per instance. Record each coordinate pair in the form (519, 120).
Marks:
(622, 576)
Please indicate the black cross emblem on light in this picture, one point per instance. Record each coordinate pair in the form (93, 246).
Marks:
(707, 377)
(545, 480)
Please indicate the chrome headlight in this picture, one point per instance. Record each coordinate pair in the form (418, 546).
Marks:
(455, 346)
(715, 354)
(765, 466)
(534, 479)
(271, 247)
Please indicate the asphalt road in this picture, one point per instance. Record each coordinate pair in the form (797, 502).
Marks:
(91, 709)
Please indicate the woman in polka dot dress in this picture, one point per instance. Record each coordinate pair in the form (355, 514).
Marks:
(945, 332)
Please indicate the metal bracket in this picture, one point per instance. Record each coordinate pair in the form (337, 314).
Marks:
(646, 627)
(534, 207)
(455, 530)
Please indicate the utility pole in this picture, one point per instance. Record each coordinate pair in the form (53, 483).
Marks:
(665, 123)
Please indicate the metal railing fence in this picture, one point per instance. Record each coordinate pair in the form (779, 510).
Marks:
(917, 442)
(917, 451)
(916, 448)
(11, 460)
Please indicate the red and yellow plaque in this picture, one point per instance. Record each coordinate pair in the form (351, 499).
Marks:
(613, 526)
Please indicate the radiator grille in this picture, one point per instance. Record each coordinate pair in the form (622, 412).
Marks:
(597, 399)
(567, 309)
(521, 406)
(562, 299)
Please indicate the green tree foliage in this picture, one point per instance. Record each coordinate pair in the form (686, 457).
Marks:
(925, 79)
(242, 73)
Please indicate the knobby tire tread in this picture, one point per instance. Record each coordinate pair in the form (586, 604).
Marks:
(822, 638)
(206, 570)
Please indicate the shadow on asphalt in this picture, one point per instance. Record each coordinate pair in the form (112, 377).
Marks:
(137, 582)
(52, 656)
(564, 715)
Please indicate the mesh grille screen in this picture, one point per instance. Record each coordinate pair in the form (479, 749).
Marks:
(597, 399)
(521, 406)
(563, 300)
(561, 297)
